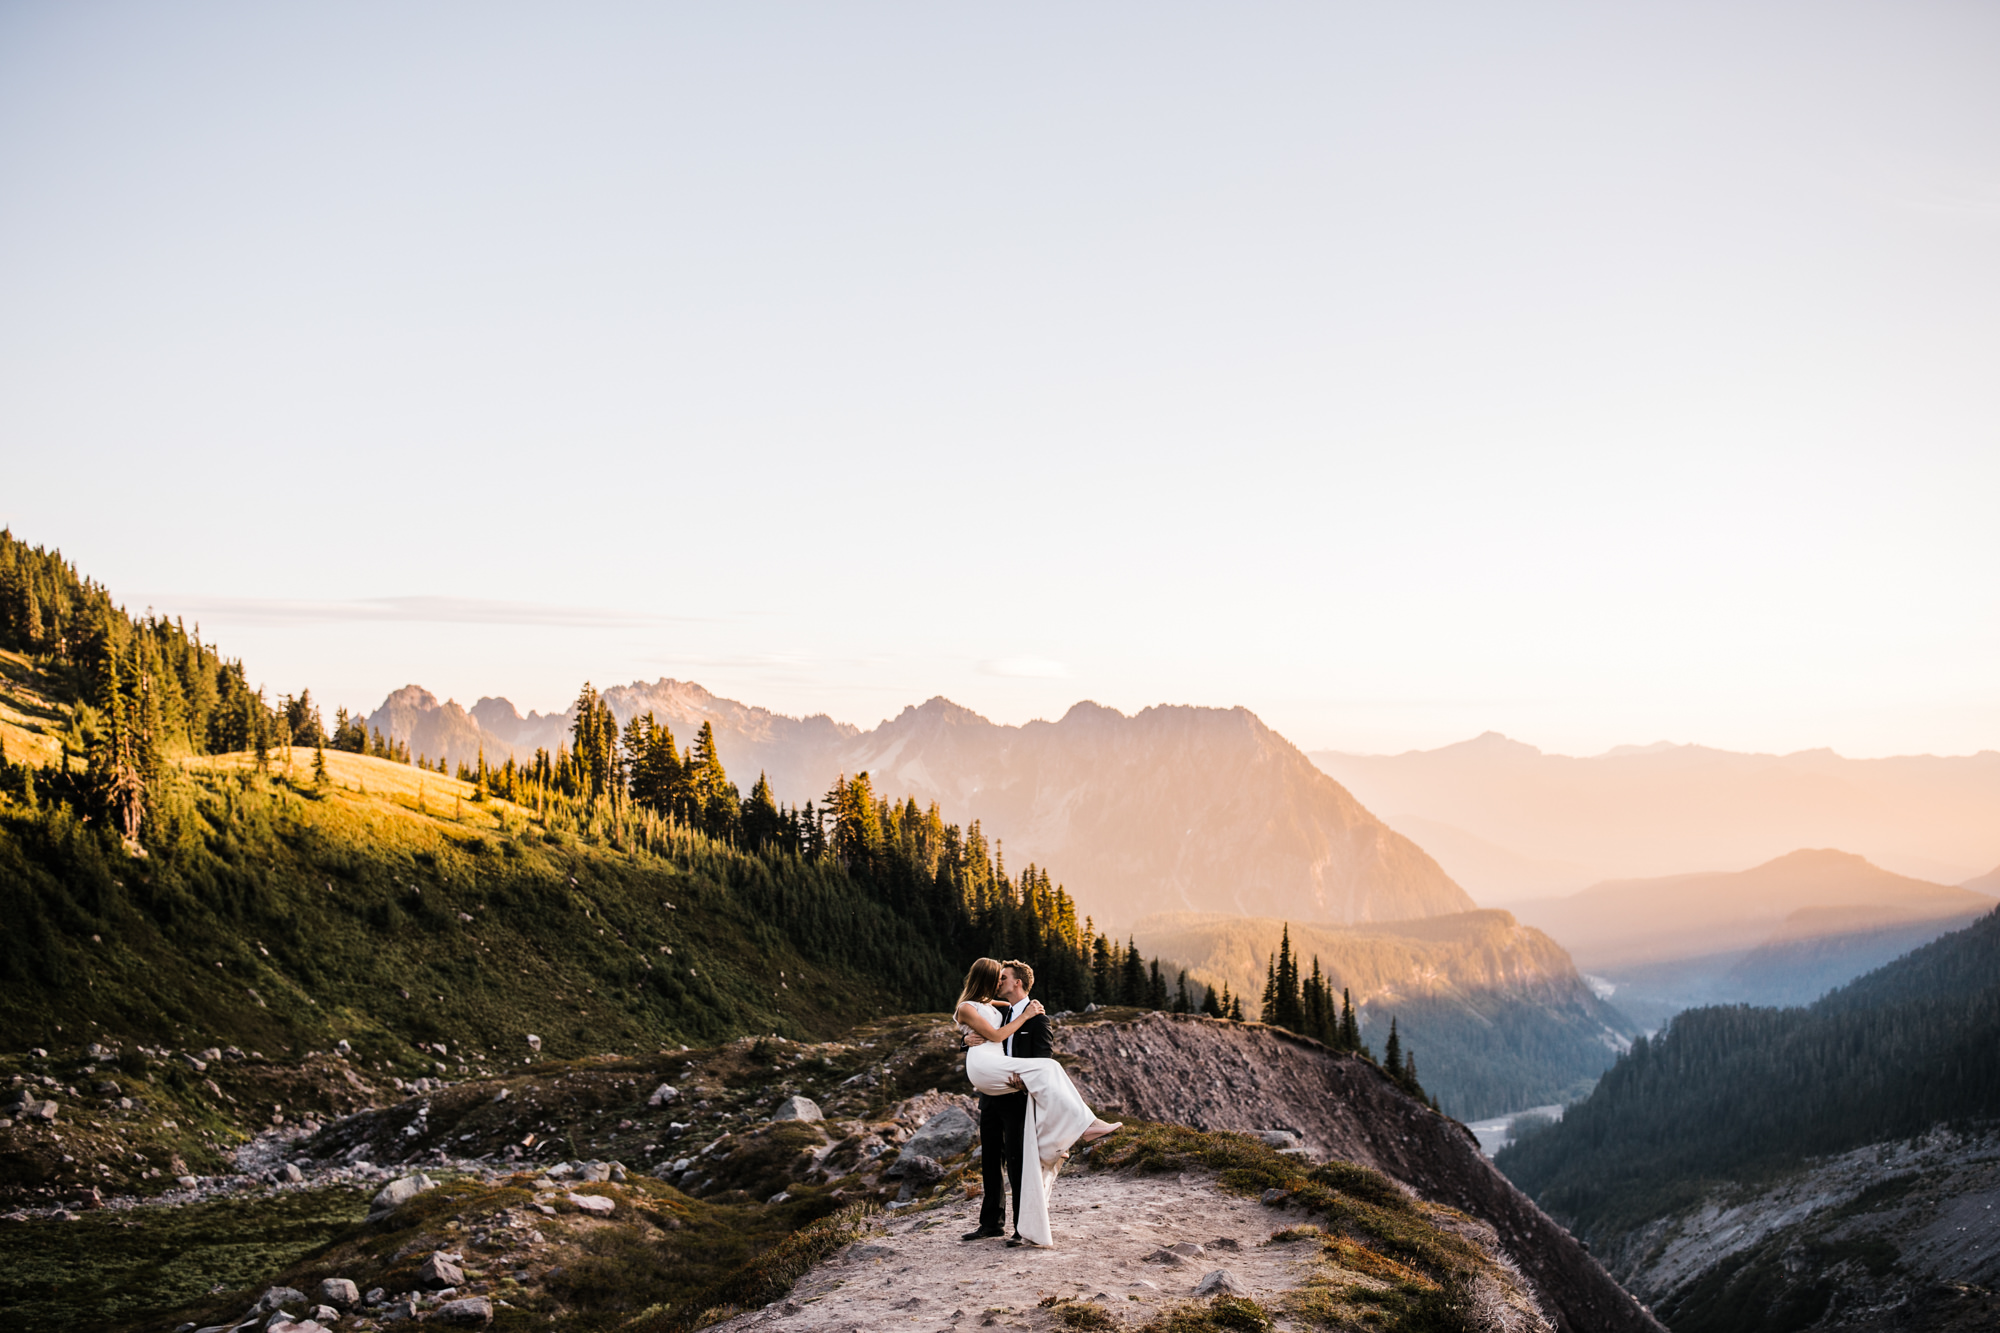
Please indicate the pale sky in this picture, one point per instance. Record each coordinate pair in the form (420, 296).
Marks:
(1594, 373)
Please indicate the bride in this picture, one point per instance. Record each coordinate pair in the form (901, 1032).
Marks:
(1056, 1115)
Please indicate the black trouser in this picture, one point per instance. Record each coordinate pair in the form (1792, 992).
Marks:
(1001, 1120)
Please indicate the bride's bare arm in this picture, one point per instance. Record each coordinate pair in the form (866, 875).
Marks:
(974, 1017)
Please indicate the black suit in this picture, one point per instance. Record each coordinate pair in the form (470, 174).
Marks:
(1001, 1120)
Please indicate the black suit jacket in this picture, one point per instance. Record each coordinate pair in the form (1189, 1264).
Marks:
(1032, 1040)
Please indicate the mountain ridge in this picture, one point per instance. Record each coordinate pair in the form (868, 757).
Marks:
(1648, 811)
(1115, 800)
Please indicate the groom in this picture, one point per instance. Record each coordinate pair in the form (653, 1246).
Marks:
(1001, 1119)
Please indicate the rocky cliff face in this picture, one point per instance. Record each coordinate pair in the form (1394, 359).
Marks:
(1892, 1236)
(1226, 1076)
(1200, 809)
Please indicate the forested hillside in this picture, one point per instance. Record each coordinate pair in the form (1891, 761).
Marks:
(1738, 1094)
(198, 863)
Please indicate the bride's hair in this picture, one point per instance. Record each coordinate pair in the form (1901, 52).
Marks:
(981, 981)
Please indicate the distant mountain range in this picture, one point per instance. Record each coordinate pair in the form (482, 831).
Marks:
(1784, 932)
(1495, 1012)
(1511, 823)
(1176, 808)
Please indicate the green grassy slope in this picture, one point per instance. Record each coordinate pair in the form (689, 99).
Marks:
(390, 910)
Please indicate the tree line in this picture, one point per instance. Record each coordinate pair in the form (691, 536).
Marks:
(1737, 1093)
(1306, 1005)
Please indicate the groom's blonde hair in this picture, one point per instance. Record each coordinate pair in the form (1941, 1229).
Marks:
(1021, 970)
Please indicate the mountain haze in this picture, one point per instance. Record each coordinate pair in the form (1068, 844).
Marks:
(1647, 811)
(1621, 923)
(1200, 809)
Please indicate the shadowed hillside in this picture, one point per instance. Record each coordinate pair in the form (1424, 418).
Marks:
(1494, 1012)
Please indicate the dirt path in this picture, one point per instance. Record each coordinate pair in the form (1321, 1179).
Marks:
(920, 1275)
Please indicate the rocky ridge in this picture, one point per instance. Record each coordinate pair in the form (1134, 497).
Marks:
(691, 1156)
(1886, 1237)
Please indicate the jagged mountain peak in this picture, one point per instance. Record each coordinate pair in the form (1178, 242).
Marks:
(1176, 807)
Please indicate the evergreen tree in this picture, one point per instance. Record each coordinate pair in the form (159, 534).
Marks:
(1103, 977)
(1350, 1025)
(320, 778)
(1236, 1009)
(1156, 987)
(1211, 1004)
(1182, 1005)
(1392, 1051)
(763, 823)
(1132, 976)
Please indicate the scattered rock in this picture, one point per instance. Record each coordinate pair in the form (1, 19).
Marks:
(276, 1297)
(1224, 1243)
(1276, 1197)
(377, 1295)
(915, 1166)
(1167, 1257)
(534, 1042)
(595, 1204)
(1220, 1282)
(594, 1173)
(440, 1270)
(663, 1094)
(1144, 1285)
(798, 1108)
(292, 1174)
(399, 1192)
(471, 1310)
(1280, 1139)
(946, 1134)
(1187, 1249)
(870, 1252)
(398, 1312)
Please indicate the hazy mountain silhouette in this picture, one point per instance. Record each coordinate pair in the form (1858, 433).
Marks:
(1201, 809)
(1623, 923)
(1496, 813)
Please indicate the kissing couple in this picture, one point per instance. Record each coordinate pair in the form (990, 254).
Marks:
(1029, 1112)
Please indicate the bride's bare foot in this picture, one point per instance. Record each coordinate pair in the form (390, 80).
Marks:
(1100, 1129)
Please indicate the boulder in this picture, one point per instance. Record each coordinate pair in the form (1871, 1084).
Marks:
(1187, 1249)
(1167, 1257)
(595, 1204)
(398, 1312)
(43, 1111)
(339, 1292)
(1277, 1138)
(915, 1166)
(440, 1270)
(594, 1173)
(323, 1314)
(946, 1134)
(1219, 1283)
(471, 1310)
(399, 1192)
(534, 1042)
(663, 1094)
(275, 1297)
(798, 1108)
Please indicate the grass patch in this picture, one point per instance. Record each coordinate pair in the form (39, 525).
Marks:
(112, 1268)
(1223, 1314)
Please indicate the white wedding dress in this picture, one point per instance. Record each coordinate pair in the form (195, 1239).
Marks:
(1056, 1118)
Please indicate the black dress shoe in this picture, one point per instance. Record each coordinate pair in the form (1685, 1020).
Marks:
(1015, 1240)
(984, 1233)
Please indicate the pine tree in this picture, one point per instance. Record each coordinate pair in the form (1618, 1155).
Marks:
(1236, 1009)
(1103, 977)
(320, 778)
(1350, 1025)
(1132, 976)
(1156, 987)
(1182, 1005)
(1392, 1051)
